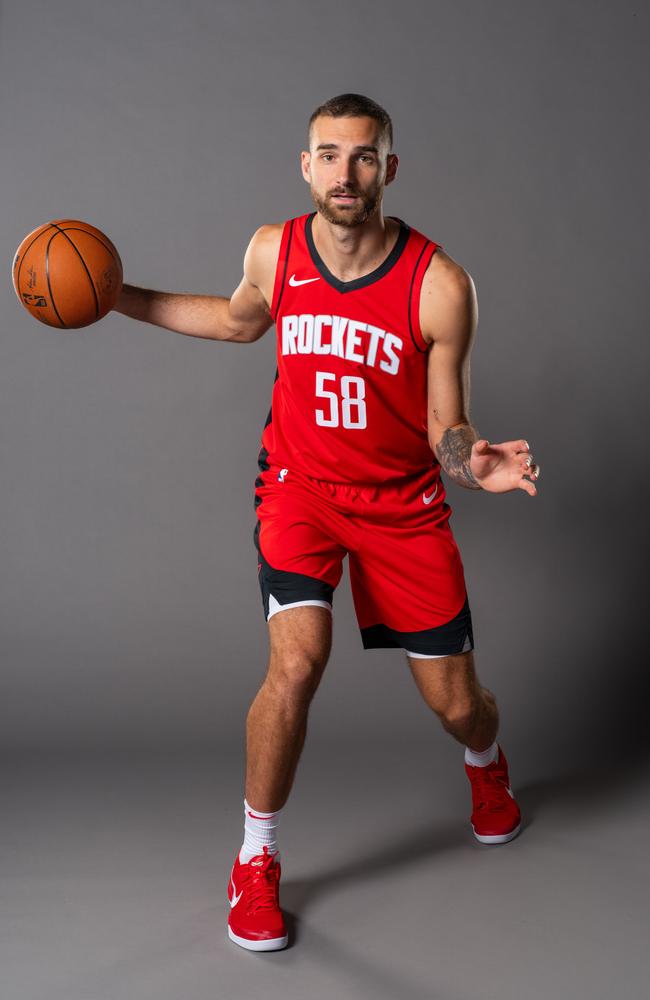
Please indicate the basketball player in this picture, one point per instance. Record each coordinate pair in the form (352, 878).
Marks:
(375, 324)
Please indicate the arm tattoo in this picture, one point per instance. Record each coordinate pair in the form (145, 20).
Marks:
(453, 451)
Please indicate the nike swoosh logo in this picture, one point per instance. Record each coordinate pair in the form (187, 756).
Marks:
(294, 282)
(429, 499)
(235, 899)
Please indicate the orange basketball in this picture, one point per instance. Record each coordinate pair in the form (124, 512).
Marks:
(67, 274)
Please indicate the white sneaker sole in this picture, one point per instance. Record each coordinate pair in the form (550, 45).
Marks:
(497, 838)
(270, 944)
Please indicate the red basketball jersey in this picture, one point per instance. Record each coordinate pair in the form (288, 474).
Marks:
(349, 401)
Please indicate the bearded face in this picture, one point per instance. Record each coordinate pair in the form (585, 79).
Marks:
(347, 168)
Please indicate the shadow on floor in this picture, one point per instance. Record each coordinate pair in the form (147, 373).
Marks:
(576, 795)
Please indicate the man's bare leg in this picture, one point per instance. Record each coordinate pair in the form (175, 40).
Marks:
(300, 640)
(450, 687)
(468, 712)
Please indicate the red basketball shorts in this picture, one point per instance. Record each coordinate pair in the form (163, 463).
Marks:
(406, 573)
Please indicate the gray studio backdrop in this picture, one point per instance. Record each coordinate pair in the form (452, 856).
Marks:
(130, 609)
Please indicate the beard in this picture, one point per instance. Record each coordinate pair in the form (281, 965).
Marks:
(350, 216)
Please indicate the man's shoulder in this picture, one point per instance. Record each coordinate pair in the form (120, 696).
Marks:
(261, 255)
(442, 271)
(447, 291)
(267, 236)
(446, 276)
(264, 248)
(266, 240)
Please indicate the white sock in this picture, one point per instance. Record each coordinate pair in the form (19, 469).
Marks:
(481, 758)
(259, 832)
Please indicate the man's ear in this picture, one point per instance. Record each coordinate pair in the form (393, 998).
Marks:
(305, 165)
(391, 167)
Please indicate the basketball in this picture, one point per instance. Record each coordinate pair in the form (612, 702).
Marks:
(67, 274)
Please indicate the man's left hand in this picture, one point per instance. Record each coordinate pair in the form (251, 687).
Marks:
(499, 468)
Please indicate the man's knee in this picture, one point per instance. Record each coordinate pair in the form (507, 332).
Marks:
(296, 673)
(459, 713)
(301, 640)
(462, 712)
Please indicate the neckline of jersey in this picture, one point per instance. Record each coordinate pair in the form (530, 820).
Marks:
(365, 279)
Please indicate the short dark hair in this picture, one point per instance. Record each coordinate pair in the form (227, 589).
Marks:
(355, 106)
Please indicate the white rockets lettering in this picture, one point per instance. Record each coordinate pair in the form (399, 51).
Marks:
(343, 338)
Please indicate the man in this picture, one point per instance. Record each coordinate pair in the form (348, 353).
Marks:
(375, 325)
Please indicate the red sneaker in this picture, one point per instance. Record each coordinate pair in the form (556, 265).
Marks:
(495, 817)
(255, 919)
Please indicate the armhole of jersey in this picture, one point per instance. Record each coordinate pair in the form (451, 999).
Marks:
(423, 261)
(281, 267)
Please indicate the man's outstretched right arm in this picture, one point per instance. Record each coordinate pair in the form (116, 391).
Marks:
(243, 318)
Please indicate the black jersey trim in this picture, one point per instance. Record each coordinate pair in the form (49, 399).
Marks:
(365, 279)
(422, 350)
(284, 272)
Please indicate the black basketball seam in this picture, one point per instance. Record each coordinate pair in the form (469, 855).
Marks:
(22, 259)
(78, 252)
(75, 229)
(47, 275)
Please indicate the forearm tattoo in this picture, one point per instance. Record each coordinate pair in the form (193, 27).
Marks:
(453, 451)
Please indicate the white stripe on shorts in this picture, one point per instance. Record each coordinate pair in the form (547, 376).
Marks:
(275, 606)
(425, 656)
(437, 656)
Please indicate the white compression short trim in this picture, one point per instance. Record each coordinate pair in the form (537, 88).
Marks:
(275, 606)
(437, 656)
(425, 656)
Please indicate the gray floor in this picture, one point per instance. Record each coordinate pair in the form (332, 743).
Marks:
(113, 876)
